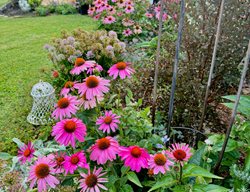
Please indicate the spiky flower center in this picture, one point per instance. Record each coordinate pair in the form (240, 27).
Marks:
(92, 82)
(70, 126)
(42, 170)
(79, 62)
(91, 180)
(74, 160)
(136, 152)
(59, 161)
(160, 159)
(121, 65)
(107, 120)
(103, 143)
(63, 103)
(179, 154)
(129, 7)
(110, 18)
(27, 152)
(69, 84)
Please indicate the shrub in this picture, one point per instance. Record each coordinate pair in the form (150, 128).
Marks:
(65, 9)
(34, 3)
(42, 11)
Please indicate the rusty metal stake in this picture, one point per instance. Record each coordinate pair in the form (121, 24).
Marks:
(244, 72)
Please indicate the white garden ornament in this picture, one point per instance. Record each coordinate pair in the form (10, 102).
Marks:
(43, 102)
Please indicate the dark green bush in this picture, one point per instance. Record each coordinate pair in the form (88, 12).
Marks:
(65, 9)
(42, 11)
(34, 3)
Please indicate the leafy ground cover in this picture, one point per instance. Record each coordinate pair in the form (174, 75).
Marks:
(23, 63)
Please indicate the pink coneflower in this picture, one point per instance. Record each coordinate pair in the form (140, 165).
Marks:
(25, 153)
(137, 29)
(90, 103)
(96, 17)
(135, 157)
(58, 159)
(164, 16)
(122, 69)
(68, 86)
(119, 14)
(127, 32)
(121, 3)
(80, 66)
(93, 86)
(108, 122)
(92, 182)
(159, 163)
(111, 10)
(95, 68)
(69, 130)
(179, 152)
(41, 173)
(98, 3)
(149, 15)
(65, 107)
(127, 22)
(129, 9)
(104, 149)
(91, 11)
(74, 161)
(109, 19)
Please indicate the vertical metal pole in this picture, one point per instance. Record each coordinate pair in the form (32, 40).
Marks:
(212, 65)
(157, 63)
(244, 72)
(176, 61)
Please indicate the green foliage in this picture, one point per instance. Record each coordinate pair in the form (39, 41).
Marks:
(65, 9)
(61, 9)
(34, 3)
(42, 11)
(240, 177)
(244, 104)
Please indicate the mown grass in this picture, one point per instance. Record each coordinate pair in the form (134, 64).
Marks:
(23, 63)
(3, 2)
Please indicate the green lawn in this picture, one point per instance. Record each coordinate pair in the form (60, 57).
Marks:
(3, 2)
(23, 63)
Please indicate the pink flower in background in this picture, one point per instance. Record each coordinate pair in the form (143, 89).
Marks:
(94, 68)
(97, 17)
(74, 161)
(129, 9)
(108, 122)
(104, 149)
(111, 10)
(57, 159)
(65, 107)
(119, 14)
(134, 157)
(92, 182)
(68, 86)
(42, 174)
(80, 66)
(127, 32)
(108, 20)
(164, 16)
(149, 15)
(98, 3)
(90, 103)
(121, 69)
(128, 2)
(55, 74)
(93, 86)
(159, 163)
(127, 22)
(69, 130)
(26, 152)
(121, 3)
(137, 29)
(179, 152)
(175, 16)
(91, 11)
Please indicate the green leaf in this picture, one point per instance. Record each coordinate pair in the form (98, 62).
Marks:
(133, 178)
(126, 188)
(165, 182)
(197, 156)
(124, 170)
(191, 170)
(18, 142)
(209, 188)
(5, 156)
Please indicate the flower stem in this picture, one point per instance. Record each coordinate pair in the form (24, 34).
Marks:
(180, 174)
